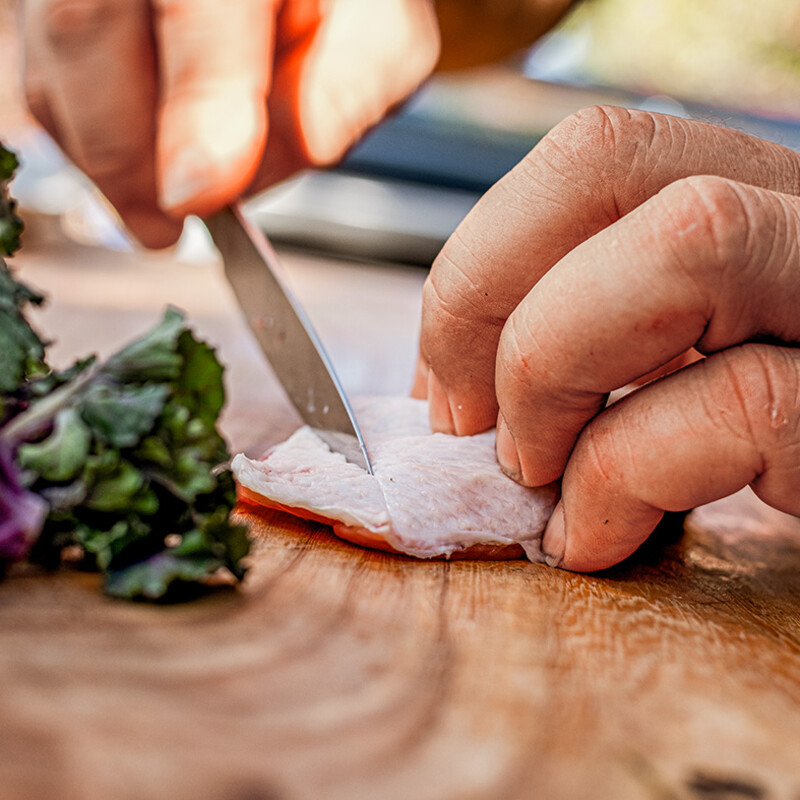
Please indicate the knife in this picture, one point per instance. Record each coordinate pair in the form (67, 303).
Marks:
(285, 333)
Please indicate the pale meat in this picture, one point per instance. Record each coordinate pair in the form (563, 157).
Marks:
(431, 494)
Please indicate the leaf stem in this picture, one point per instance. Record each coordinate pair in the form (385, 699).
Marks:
(40, 415)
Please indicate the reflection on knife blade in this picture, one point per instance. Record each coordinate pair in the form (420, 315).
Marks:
(285, 334)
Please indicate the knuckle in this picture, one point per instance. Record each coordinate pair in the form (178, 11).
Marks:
(773, 416)
(601, 136)
(602, 149)
(722, 209)
(733, 245)
(763, 379)
(72, 25)
(707, 216)
(593, 130)
(587, 138)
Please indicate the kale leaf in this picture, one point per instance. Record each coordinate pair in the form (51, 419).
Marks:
(128, 458)
(22, 512)
(123, 456)
(10, 223)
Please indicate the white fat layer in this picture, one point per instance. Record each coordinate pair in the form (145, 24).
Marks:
(431, 494)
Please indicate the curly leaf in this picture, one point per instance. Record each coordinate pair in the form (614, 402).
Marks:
(152, 357)
(63, 453)
(122, 415)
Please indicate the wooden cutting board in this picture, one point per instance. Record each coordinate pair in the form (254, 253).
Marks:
(336, 672)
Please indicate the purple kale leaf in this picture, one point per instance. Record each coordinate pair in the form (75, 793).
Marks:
(22, 513)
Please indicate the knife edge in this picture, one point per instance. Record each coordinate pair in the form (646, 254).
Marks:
(285, 334)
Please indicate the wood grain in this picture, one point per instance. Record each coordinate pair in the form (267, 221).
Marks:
(337, 672)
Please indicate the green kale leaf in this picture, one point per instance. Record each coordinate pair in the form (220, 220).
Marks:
(124, 455)
(127, 454)
(21, 349)
(10, 223)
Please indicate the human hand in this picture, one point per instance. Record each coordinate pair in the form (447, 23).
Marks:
(176, 108)
(622, 241)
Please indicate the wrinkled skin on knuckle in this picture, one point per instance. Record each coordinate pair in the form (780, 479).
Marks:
(436, 321)
(769, 384)
(595, 464)
(734, 248)
(766, 281)
(703, 227)
(617, 454)
(453, 352)
(724, 212)
(756, 161)
(579, 151)
(752, 399)
(600, 148)
(589, 136)
(706, 215)
(767, 380)
(750, 237)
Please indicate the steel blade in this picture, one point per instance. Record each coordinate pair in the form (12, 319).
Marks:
(285, 334)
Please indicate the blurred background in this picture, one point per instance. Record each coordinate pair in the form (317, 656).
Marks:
(732, 53)
(406, 186)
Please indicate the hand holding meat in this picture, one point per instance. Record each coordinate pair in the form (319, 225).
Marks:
(175, 108)
(624, 240)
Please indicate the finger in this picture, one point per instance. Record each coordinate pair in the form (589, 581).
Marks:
(707, 263)
(399, 41)
(339, 79)
(286, 152)
(591, 170)
(215, 61)
(93, 86)
(691, 438)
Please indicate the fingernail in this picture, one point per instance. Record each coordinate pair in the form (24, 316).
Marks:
(506, 448)
(441, 416)
(554, 540)
(185, 177)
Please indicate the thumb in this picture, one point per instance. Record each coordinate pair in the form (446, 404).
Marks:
(215, 61)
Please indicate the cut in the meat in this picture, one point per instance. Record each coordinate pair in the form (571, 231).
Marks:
(432, 495)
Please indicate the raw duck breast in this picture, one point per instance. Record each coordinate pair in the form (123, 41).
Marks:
(432, 494)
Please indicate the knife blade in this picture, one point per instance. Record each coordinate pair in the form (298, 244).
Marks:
(285, 334)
